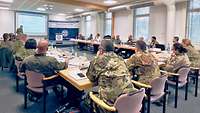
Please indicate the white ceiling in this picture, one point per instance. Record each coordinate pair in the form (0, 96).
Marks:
(32, 5)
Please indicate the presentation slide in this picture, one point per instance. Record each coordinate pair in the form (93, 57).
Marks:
(33, 24)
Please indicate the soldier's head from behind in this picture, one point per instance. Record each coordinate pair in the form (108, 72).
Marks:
(30, 44)
(42, 47)
(141, 46)
(179, 49)
(186, 42)
(6, 37)
(107, 44)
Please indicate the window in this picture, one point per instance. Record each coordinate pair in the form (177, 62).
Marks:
(108, 24)
(141, 22)
(88, 26)
(194, 20)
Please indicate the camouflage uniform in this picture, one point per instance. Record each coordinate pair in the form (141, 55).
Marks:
(110, 73)
(194, 56)
(23, 53)
(145, 66)
(117, 41)
(42, 64)
(5, 44)
(175, 62)
(17, 46)
(19, 31)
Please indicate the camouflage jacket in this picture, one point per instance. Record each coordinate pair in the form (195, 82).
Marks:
(194, 56)
(6, 44)
(42, 64)
(23, 53)
(175, 62)
(145, 65)
(17, 46)
(110, 74)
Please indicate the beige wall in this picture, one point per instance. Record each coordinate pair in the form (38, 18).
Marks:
(6, 21)
(158, 16)
(123, 24)
(158, 20)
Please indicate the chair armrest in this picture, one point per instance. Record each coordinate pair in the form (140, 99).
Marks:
(141, 84)
(194, 68)
(49, 78)
(101, 103)
(169, 73)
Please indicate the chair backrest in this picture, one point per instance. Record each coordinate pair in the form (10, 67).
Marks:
(34, 79)
(158, 85)
(130, 103)
(6, 57)
(183, 73)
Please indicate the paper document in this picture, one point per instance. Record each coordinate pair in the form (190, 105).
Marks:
(77, 74)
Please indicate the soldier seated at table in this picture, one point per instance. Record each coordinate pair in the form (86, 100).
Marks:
(108, 71)
(178, 59)
(193, 54)
(142, 65)
(153, 42)
(27, 50)
(41, 63)
(130, 40)
(118, 40)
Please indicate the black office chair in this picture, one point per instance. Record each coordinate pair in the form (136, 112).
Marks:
(161, 46)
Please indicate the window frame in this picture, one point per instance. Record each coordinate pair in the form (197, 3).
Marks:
(190, 11)
(135, 16)
(105, 20)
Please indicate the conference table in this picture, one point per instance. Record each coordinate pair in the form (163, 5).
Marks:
(97, 43)
(77, 65)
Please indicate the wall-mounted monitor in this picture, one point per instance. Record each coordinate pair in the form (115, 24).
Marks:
(34, 24)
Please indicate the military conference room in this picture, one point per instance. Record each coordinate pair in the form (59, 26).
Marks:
(99, 56)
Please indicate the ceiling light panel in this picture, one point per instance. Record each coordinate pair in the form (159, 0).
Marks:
(7, 1)
(110, 2)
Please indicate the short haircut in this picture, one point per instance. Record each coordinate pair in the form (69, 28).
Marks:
(141, 45)
(31, 44)
(176, 38)
(179, 47)
(154, 37)
(107, 45)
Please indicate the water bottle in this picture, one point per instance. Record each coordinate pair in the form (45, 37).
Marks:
(168, 47)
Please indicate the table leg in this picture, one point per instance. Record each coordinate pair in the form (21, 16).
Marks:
(197, 82)
(186, 89)
(148, 100)
(176, 93)
(74, 96)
